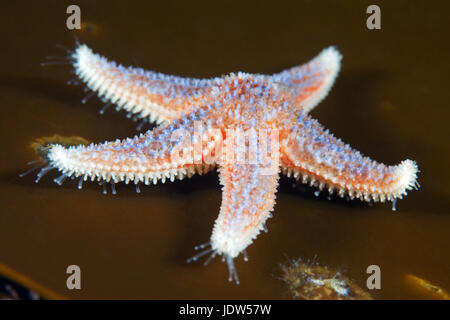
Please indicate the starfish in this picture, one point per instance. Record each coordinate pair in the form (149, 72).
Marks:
(250, 126)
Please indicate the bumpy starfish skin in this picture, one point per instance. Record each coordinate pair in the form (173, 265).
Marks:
(199, 115)
(158, 97)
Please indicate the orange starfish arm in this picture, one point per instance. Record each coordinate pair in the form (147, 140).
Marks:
(313, 154)
(247, 200)
(146, 94)
(165, 153)
(310, 82)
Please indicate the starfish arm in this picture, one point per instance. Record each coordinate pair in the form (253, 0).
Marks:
(165, 153)
(310, 83)
(310, 152)
(247, 200)
(146, 94)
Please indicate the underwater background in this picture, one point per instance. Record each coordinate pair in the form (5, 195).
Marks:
(390, 101)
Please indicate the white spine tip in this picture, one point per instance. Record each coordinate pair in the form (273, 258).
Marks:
(232, 273)
(406, 173)
(394, 204)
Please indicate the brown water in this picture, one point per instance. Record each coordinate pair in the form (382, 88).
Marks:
(390, 101)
